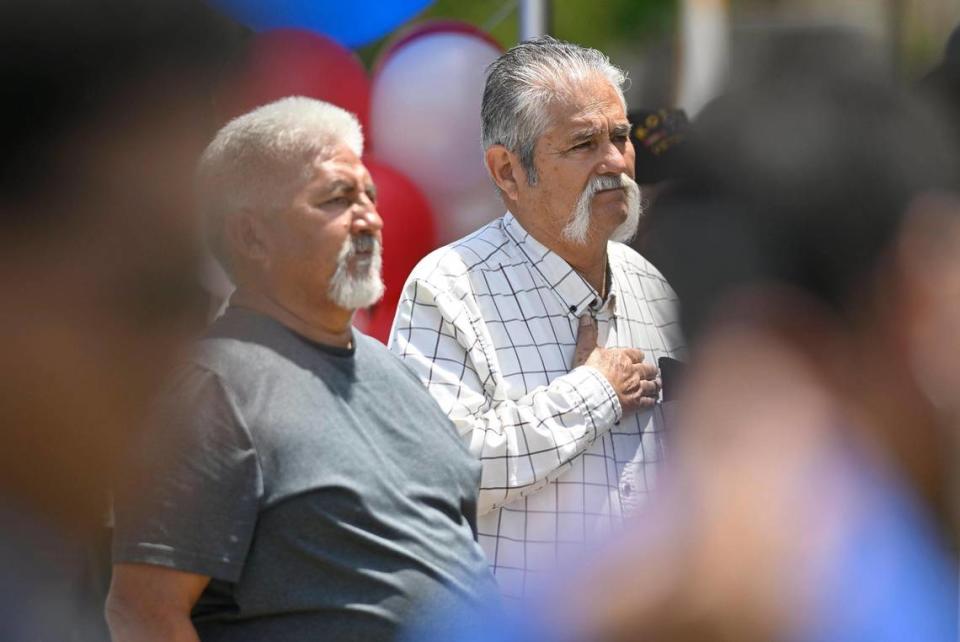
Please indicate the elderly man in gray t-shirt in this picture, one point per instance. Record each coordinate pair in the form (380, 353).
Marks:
(299, 483)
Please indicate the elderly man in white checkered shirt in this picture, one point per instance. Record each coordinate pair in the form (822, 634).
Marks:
(538, 333)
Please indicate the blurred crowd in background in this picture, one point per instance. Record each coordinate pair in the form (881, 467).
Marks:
(801, 197)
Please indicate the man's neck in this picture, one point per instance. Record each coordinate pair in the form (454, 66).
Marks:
(590, 263)
(589, 259)
(330, 326)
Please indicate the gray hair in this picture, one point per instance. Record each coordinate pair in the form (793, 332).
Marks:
(259, 160)
(525, 80)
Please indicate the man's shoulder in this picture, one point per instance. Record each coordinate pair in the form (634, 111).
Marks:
(487, 247)
(242, 343)
(225, 356)
(372, 347)
(389, 365)
(218, 371)
(628, 260)
(201, 376)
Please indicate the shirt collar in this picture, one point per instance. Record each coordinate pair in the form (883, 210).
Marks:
(577, 295)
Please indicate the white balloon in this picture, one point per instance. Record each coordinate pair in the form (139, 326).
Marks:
(462, 213)
(425, 121)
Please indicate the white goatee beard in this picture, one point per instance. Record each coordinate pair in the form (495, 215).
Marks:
(354, 291)
(577, 230)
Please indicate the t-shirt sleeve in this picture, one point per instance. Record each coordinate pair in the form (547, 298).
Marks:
(191, 503)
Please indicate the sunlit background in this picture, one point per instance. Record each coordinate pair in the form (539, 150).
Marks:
(413, 71)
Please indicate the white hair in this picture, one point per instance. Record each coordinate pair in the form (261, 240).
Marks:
(259, 160)
(524, 81)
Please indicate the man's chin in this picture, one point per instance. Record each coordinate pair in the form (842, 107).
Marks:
(627, 229)
(357, 290)
(611, 216)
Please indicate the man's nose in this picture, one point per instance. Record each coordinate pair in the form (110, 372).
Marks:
(366, 219)
(615, 160)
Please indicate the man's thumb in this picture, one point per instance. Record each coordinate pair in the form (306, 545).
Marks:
(586, 340)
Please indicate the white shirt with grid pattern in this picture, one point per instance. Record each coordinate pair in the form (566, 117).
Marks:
(489, 324)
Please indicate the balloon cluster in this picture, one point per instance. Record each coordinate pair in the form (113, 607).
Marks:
(421, 116)
(352, 23)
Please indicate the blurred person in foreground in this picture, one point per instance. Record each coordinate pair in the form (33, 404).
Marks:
(659, 137)
(942, 84)
(539, 333)
(298, 481)
(811, 490)
(105, 110)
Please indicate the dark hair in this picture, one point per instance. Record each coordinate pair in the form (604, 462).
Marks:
(63, 62)
(801, 179)
(941, 86)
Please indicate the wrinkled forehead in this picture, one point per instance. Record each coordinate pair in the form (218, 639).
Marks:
(597, 104)
(338, 164)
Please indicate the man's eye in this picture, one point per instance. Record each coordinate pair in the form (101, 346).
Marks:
(339, 200)
(584, 145)
(620, 138)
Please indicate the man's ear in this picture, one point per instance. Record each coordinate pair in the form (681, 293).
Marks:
(929, 266)
(928, 247)
(505, 170)
(246, 235)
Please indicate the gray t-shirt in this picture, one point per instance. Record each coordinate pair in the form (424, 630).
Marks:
(322, 489)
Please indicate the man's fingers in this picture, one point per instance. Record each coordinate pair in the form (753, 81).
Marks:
(586, 340)
(634, 354)
(646, 402)
(587, 334)
(647, 371)
(650, 389)
(639, 402)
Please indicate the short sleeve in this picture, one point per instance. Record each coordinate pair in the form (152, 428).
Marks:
(192, 499)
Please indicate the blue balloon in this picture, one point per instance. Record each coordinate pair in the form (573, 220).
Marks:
(352, 23)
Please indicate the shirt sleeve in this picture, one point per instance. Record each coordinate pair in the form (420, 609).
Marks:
(522, 444)
(192, 503)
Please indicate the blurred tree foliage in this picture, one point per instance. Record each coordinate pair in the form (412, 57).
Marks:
(603, 23)
(595, 23)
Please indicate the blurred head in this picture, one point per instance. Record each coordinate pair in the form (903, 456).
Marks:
(816, 256)
(942, 85)
(804, 181)
(817, 209)
(107, 109)
(556, 141)
(289, 206)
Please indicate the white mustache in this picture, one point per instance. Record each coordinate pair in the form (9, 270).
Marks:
(604, 182)
(363, 243)
(578, 227)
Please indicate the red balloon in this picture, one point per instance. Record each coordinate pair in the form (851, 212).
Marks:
(294, 62)
(409, 234)
(378, 322)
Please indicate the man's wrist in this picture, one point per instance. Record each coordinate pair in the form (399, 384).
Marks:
(600, 399)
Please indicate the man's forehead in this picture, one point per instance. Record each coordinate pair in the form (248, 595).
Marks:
(588, 122)
(596, 121)
(340, 172)
(335, 182)
(604, 110)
